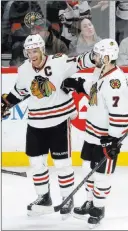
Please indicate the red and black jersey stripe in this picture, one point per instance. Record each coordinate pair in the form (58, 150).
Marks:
(118, 120)
(95, 130)
(52, 112)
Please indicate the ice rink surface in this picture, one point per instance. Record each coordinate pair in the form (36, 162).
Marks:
(18, 192)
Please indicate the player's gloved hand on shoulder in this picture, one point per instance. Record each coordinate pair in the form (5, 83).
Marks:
(4, 106)
(71, 84)
(111, 147)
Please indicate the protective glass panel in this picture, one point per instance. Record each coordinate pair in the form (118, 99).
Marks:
(69, 26)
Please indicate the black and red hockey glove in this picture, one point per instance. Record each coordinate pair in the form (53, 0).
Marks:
(5, 106)
(73, 84)
(111, 147)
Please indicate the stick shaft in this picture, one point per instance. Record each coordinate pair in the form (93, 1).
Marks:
(58, 207)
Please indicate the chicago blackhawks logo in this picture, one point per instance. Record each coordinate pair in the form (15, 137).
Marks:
(31, 18)
(93, 95)
(41, 87)
(115, 83)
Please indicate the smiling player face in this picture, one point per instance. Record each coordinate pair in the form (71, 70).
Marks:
(35, 56)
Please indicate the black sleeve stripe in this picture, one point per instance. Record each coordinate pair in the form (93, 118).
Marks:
(118, 115)
(92, 134)
(119, 125)
(101, 129)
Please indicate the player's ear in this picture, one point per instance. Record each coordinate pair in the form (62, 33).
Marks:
(106, 59)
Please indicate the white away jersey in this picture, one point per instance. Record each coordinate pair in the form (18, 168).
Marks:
(48, 104)
(108, 107)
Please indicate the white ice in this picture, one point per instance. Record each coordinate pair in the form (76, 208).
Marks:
(18, 192)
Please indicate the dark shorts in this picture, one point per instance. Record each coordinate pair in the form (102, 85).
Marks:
(54, 139)
(94, 153)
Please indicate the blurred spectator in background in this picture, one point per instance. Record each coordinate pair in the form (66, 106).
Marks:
(101, 4)
(17, 54)
(52, 12)
(71, 17)
(86, 39)
(18, 16)
(121, 20)
(123, 53)
(121, 17)
(53, 44)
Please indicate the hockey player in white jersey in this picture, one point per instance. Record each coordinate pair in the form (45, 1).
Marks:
(49, 114)
(107, 121)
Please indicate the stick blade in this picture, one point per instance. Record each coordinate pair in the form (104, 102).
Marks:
(22, 174)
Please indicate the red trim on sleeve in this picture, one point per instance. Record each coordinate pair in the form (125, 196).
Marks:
(118, 120)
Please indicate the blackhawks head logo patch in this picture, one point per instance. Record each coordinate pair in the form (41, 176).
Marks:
(115, 83)
(41, 87)
(93, 95)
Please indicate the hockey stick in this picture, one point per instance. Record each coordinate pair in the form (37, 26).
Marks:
(23, 174)
(58, 207)
(26, 97)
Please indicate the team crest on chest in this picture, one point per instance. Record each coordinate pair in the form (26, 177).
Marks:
(93, 95)
(41, 87)
(115, 83)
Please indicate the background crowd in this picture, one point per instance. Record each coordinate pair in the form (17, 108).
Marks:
(71, 27)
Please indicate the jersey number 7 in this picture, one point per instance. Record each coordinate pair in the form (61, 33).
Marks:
(116, 100)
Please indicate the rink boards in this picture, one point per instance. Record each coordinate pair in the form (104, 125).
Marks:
(14, 127)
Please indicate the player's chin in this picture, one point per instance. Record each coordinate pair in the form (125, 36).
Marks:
(35, 63)
(98, 65)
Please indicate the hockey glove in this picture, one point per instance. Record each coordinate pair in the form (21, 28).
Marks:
(5, 106)
(110, 145)
(71, 84)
